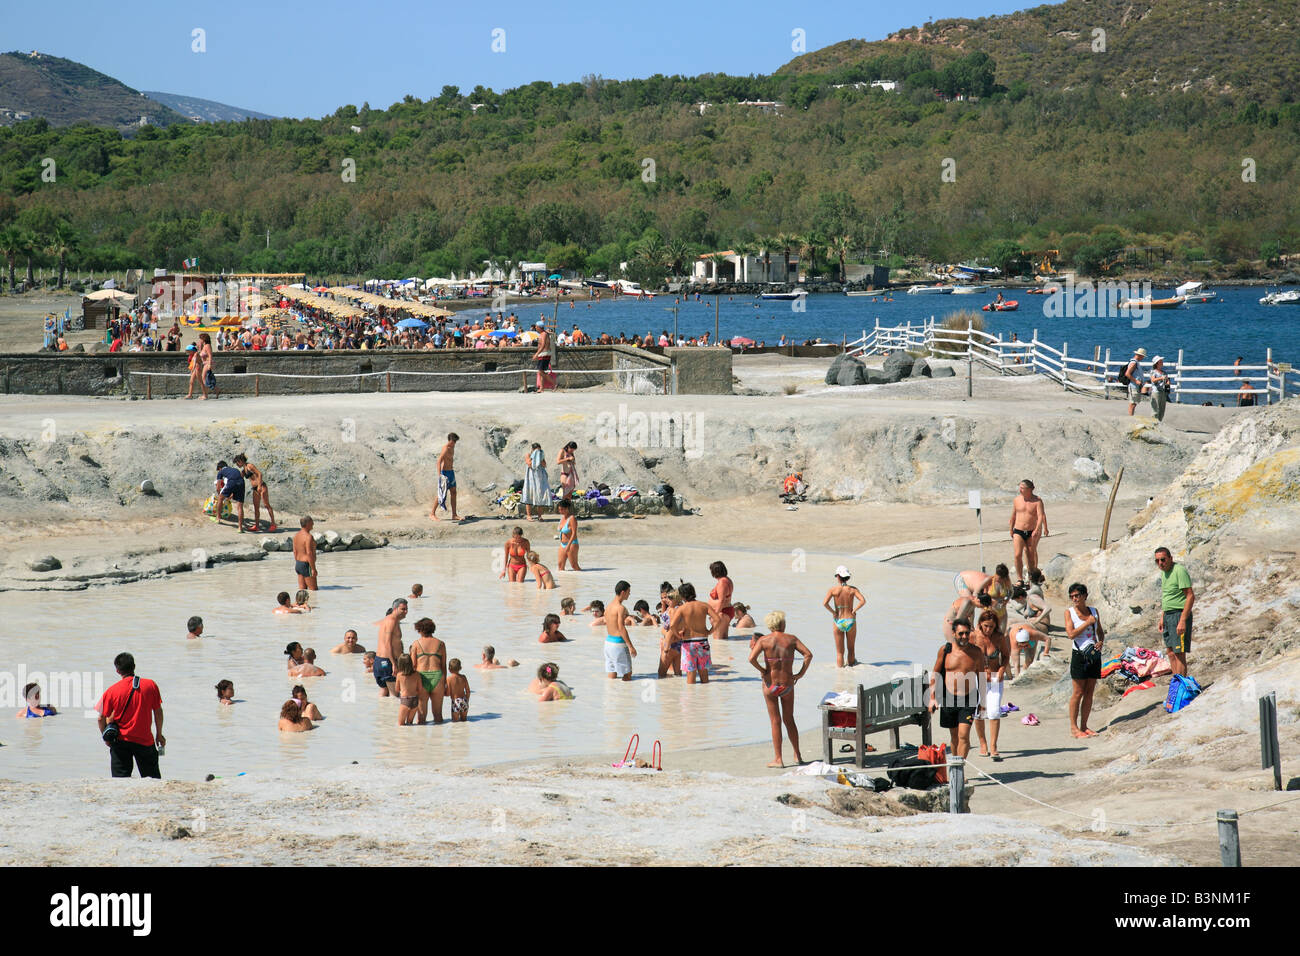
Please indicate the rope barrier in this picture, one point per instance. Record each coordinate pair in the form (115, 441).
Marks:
(1114, 823)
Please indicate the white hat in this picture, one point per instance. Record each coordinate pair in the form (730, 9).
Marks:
(842, 572)
(1157, 360)
(1141, 353)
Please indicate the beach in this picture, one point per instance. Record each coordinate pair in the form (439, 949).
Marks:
(889, 470)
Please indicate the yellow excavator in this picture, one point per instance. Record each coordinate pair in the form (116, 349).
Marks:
(1043, 261)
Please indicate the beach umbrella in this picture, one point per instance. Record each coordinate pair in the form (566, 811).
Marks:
(504, 334)
(412, 324)
(554, 275)
(742, 341)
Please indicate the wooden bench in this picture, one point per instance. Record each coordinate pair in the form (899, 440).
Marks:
(883, 707)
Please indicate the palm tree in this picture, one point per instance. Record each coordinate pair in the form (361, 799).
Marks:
(840, 247)
(678, 251)
(808, 247)
(11, 247)
(29, 244)
(719, 260)
(786, 240)
(61, 243)
(767, 258)
(653, 250)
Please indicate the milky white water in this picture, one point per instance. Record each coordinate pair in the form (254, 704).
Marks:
(81, 632)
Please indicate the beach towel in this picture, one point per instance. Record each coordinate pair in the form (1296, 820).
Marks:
(442, 490)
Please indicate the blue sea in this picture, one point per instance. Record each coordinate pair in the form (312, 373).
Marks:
(1210, 334)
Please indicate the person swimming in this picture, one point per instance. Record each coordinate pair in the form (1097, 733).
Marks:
(226, 691)
(34, 708)
(541, 573)
(548, 685)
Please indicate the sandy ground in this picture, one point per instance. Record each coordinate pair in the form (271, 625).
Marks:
(1145, 768)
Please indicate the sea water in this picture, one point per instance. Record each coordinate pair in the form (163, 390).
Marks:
(81, 632)
(1213, 333)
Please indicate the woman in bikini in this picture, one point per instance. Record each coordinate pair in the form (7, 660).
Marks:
(256, 482)
(428, 654)
(568, 462)
(777, 650)
(568, 538)
(844, 601)
(720, 599)
(541, 574)
(305, 707)
(517, 548)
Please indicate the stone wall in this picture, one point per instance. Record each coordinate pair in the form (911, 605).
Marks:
(701, 371)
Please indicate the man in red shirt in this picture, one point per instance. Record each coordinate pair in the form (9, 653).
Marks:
(132, 702)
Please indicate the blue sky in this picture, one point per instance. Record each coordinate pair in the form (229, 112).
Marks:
(307, 59)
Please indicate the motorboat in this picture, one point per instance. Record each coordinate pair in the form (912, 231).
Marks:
(787, 296)
(1172, 302)
(1290, 297)
(1007, 305)
(930, 290)
(1196, 292)
(969, 289)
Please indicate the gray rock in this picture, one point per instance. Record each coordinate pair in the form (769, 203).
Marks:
(146, 487)
(355, 545)
(47, 563)
(898, 366)
(835, 372)
(365, 542)
(921, 369)
(1089, 470)
(332, 538)
(346, 539)
(319, 538)
(1055, 569)
(79, 347)
(269, 545)
(934, 800)
(852, 372)
(286, 544)
(942, 371)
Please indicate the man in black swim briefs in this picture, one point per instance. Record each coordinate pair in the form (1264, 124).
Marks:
(961, 666)
(304, 555)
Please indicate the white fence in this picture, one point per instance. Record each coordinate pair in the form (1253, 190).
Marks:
(1099, 375)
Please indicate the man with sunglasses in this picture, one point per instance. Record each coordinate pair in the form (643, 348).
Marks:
(1176, 600)
(962, 664)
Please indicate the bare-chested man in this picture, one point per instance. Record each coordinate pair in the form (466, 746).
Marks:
(304, 554)
(349, 645)
(962, 664)
(447, 478)
(389, 648)
(490, 662)
(1028, 525)
(844, 601)
(619, 650)
(691, 624)
(992, 640)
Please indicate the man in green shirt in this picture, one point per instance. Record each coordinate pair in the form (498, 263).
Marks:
(1176, 600)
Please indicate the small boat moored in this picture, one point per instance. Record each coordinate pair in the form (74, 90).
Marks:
(930, 290)
(1290, 297)
(787, 296)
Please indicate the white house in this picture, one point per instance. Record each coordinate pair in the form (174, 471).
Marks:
(738, 268)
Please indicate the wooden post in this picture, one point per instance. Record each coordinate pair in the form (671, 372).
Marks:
(956, 783)
(1065, 366)
(148, 386)
(257, 386)
(1114, 490)
(1178, 378)
(1229, 840)
(1268, 367)
(1105, 377)
(1270, 754)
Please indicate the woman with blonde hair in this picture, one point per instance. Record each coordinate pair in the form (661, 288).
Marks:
(778, 650)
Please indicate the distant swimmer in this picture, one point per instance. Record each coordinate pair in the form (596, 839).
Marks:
(389, 647)
(226, 692)
(568, 607)
(1028, 526)
(490, 662)
(844, 601)
(417, 592)
(551, 633)
(291, 719)
(195, 628)
(349, 645)
(34, 708)
(304, 554)
(548, 686)
(300, 601)
(517, 548)
(619, 649)
(284, 606)
(597, 609)
(541, 574)
(568, 538)
(446, 466)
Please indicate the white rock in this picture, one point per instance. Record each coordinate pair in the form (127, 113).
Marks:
(1089, 470)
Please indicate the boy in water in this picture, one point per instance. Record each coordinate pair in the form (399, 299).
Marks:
(619, 649)
(458, 691)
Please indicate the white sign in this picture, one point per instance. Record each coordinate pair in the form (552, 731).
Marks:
(975, 500)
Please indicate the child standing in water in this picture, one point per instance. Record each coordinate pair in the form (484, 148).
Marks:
(408, 691)
(458, 690)
(226, 692)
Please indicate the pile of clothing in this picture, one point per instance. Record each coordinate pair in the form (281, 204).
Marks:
(1136, 664)
(510, 500)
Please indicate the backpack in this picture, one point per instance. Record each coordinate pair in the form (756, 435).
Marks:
(1183, 689)
(913, 773)
(938, 756)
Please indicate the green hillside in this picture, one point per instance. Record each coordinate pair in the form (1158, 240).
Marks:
(66, 93)
(560, 173)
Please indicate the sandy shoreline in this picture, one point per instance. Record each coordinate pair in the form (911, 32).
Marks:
(858, 446)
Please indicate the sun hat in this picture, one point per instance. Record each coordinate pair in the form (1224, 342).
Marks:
(1157, 360)
(842, 572)
(1141, 353)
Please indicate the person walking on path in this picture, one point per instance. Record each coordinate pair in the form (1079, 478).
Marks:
(537, 484)
(447, 478)
(1132, 376)
(126, 711)
(1176, 600)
